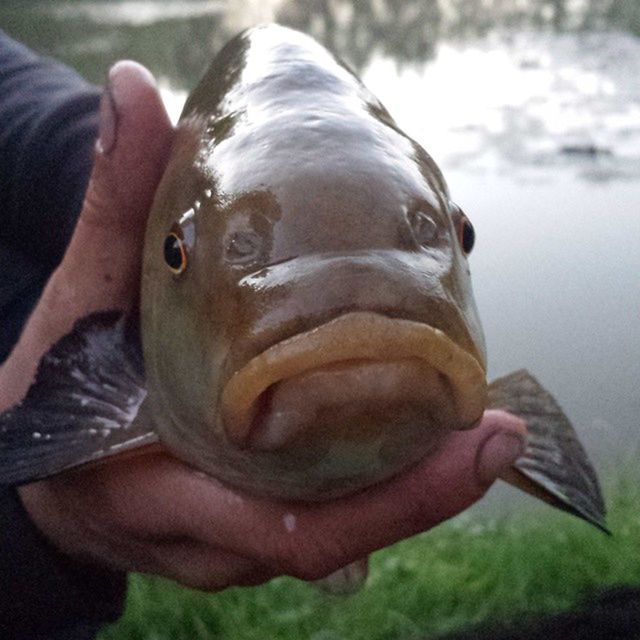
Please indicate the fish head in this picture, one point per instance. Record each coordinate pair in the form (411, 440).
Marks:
(308, 321)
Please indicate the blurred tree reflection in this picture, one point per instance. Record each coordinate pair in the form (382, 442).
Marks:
(181, 37)
(624, 14)
(405, 30)
(177, 48)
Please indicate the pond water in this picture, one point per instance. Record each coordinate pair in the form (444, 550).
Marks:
(532, 109)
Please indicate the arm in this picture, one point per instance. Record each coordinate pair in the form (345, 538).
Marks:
(49, 118)
(49, 124)
(152, 513)
(45, 591)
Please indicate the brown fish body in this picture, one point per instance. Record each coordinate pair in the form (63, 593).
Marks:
(300, 209)
(307, 321)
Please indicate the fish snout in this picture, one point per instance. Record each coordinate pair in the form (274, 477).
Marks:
(352, 371)
(353, 378)
(352, 401)
(297, 295)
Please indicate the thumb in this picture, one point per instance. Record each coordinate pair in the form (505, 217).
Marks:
(504, 442)
(101, 267)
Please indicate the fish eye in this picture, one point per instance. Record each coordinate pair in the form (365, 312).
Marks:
(243, 247)
(467, 235)
(175, 253)
(464, 229)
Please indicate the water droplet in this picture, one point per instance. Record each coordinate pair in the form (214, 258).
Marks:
(289, 521)
(231, 498)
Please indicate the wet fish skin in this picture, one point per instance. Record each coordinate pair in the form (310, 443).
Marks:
(296, 200)
(282, 153)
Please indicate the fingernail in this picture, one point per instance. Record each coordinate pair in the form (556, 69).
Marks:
(108, 126)
(497, 454)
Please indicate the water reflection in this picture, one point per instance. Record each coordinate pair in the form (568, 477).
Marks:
(405, 31)
(178, 39)
(532, 108)
(525, 104)
(172, 39)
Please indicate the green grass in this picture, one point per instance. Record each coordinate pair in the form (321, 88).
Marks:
(468, 571)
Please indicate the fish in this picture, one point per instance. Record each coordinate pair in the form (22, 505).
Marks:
(306, 325)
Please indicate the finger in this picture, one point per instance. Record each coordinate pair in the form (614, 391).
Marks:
(102, 264)
(158, 496)
(131, 154)
(310, 541)
(95, 517)
(436, 490)
(200, 566)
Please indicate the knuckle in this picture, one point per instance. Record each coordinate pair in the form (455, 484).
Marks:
(98, 199)
(312, 558)
(203, 577)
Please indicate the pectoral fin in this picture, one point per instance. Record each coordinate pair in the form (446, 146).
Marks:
(555, 466)
(83, 404)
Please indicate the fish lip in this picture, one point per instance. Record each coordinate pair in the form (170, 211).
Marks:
(359, 335)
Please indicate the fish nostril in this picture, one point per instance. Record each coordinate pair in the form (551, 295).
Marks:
(424, 228)
(243, 248)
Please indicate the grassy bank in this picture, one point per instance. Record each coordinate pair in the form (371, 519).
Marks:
(465, 572)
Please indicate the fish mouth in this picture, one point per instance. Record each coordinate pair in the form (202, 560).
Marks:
(353, 378)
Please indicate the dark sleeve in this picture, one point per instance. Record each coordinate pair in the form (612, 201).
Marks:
(42, 592)
(48, 127)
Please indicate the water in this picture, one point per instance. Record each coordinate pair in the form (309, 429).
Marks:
(533, 112)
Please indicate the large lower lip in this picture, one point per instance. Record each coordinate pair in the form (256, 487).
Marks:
(419, 362)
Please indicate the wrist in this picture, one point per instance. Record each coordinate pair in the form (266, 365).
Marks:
(50, 589)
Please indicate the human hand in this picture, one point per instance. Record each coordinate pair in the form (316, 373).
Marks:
(152, 513)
